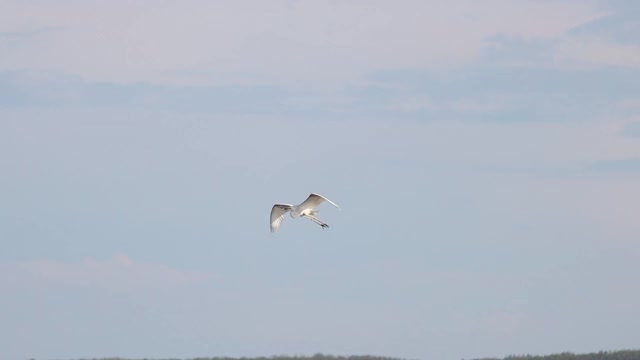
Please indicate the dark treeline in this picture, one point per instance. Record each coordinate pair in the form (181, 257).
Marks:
(278, 357)
(602, 355)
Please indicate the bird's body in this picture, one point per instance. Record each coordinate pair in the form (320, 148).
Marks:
(306, 209)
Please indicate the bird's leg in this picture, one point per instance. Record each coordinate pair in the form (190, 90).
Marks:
(317, 221)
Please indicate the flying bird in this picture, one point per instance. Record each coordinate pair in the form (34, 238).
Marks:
(306, 210)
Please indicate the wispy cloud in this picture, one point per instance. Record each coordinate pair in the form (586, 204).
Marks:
(592, 52)
(629, 165)
(508, 93)
(253, 41)
(19, 89)
(26, 34)
(118, 272)
(620, 24)
(632, 129)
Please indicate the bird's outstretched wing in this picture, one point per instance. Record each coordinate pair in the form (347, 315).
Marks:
(314, 200)
(277, 215)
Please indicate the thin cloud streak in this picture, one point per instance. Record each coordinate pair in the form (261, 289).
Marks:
(119, 272)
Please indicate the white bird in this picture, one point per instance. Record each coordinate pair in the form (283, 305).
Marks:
(306, 210)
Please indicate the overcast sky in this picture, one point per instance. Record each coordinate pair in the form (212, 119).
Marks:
(486, 156)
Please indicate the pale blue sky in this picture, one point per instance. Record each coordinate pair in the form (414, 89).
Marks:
(486, 156)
